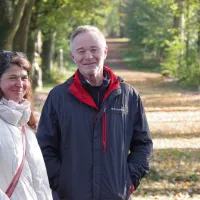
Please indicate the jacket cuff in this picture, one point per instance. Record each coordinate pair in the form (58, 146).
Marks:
(135, 181)
(132, 189)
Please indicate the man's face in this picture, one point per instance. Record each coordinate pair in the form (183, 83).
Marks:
(88, 53)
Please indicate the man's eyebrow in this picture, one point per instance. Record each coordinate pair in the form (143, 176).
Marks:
(94, 47)
(81, 48)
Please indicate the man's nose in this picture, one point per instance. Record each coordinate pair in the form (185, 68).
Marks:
(88, 54)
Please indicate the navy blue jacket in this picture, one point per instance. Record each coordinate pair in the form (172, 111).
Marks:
(94, 153)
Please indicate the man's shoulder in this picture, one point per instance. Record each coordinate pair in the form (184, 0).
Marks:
(128, 88)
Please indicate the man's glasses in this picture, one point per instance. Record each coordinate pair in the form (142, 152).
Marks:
(9, 54)
(93, 51)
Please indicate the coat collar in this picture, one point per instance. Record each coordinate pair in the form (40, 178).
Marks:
(14, 113)
(80, 93)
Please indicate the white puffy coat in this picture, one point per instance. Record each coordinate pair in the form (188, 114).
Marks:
(33, 183)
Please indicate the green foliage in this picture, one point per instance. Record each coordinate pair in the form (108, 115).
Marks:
(62, 16)
(173, 56)
(190, 71)
(57, 75)
(181, 54)
(165, 34)
(148, 33)
(112, 24)
(154, 175)
(141, 61)
(59, 18)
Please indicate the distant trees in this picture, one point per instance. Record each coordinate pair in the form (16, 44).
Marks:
(11, 13)
(164, 33)
(167, 33)
(21, 20)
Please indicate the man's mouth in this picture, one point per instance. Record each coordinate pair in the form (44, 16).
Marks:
(90, 63)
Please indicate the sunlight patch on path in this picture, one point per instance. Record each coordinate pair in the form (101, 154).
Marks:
(167, 197)
(172, 108)
(163, 98)
(175, 122)
(180, 143)
(184, 116)
(136, 76)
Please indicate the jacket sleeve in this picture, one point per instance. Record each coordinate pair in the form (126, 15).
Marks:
(141, 145)
(3, 196)
(48, 136)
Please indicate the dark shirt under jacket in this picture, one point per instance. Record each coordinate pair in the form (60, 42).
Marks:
(96, 92)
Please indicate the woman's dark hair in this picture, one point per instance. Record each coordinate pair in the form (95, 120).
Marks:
(9, 58)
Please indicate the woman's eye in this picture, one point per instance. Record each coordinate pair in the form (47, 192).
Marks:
(12, 78)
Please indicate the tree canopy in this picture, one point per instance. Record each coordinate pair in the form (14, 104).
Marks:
(166, 33)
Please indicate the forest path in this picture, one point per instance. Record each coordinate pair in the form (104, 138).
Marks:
(173, 115)
(169, 109)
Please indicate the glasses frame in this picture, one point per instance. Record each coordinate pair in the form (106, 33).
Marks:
(93, 51)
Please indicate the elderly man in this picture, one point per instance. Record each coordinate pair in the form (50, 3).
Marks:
(93, 130)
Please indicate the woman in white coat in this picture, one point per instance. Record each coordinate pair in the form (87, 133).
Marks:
(22, 170)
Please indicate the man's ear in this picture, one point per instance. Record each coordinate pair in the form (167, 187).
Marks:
(71, 55)
(105, 52)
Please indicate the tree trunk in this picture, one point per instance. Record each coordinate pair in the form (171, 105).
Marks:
(47, 54)
(11, 28)
(31, 45)
(177, 18)
(198, 36)
(6, 12)
(198, 42)
(121, 18)
(188, 36)
(21, 37)
(182, 27)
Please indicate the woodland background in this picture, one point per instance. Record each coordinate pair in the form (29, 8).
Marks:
(153, 44)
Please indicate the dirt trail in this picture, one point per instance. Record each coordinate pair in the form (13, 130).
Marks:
(169, 110)
(174, 119)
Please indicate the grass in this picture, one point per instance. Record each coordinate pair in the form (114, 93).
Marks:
(57, 77)
(136, 61)
(173, 171)
(46, 88)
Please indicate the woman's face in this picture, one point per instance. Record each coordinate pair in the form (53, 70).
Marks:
(14, 83)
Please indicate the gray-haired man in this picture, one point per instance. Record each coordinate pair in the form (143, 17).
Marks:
(93, 130)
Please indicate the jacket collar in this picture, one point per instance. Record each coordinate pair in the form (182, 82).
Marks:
(80, 93)
(105, 83)
(14, 113)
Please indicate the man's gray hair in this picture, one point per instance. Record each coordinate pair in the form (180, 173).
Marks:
(86, 28)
